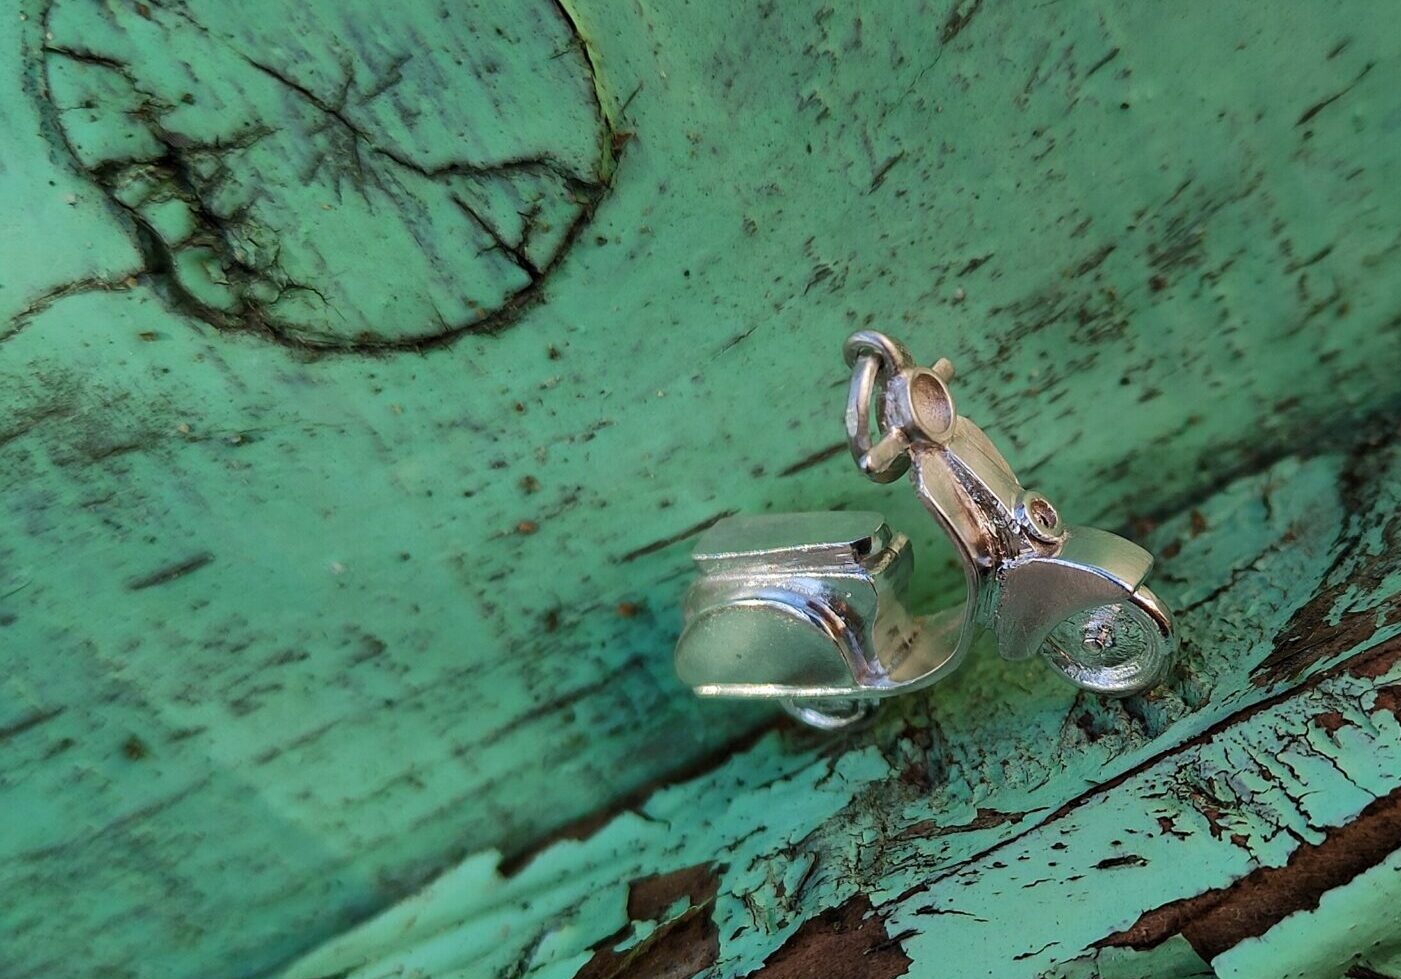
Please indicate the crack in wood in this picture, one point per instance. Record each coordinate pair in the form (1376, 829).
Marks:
(1381, 657)
(171, 572)
(677, 537)
(29, 723)
(1218, 920)
(1322, 104)
(254, 312)
(813, 459)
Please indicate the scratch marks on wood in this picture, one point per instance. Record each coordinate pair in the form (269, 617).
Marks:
(1093, 261)
(550, 709)
(813, 459)
(1110, 56)
(1322, 104)
(976, 263)
(737, 339)
(18, 727)
(1313, 259)
(959, 18)
(883, 170)
(171, 572)
(119, 824)
(680, 535)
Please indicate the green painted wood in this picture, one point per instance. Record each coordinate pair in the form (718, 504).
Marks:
(366, 368)
(1008, 826)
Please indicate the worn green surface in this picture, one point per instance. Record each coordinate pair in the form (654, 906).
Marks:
(365, 366)
(1008, 826)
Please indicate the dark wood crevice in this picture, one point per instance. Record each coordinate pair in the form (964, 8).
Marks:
(849, 941)
(217, 230)
(681, 946)
(590, 823)
(1217, 920)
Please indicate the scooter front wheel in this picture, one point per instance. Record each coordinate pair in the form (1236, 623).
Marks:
(1118, 649)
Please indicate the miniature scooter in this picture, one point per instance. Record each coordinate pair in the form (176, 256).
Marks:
(809, 608)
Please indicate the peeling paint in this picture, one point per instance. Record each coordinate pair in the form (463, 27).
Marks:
(588, 268)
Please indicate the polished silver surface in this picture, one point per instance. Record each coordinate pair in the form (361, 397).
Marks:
(808, 608)
(783, 610)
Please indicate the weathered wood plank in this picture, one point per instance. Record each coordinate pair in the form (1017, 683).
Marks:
(365, 369)
(1008, 827)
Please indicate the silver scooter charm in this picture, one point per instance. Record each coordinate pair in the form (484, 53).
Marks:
(808, 608)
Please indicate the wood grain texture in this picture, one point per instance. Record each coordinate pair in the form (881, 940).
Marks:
(366, 368)
(1006, 825)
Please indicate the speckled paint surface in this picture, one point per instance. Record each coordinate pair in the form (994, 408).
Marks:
(366, 370)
